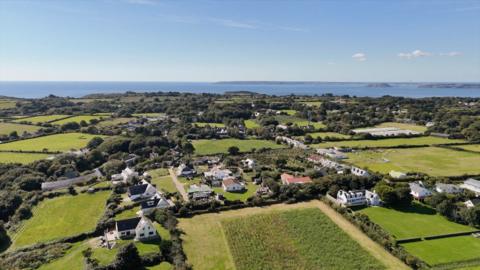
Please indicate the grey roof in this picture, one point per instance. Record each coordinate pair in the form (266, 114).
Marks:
(128, 224)
(138, 189)
(472, 182)
(417, 187)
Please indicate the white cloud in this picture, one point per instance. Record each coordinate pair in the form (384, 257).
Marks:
(235, 24)
(414, 54)
(359, 57)
(451, 54)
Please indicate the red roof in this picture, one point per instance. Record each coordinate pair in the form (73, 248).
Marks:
(315, 158)
(290, 179)
(228, 181)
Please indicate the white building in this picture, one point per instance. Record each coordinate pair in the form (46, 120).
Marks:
(472, 185)
(186, 170)
(139, 228)
(397, 175)
(249, 163)
(230, 184)
(158, 202)
(351, 198)
(359, 172)
(292, 142)
(142, 191)
(372, 198)
(472, 203)
(124, 176)
(331, 153)
(216, 173)
(418, 191)
(447, 188)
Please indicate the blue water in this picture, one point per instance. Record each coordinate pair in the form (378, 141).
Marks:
(79, 89)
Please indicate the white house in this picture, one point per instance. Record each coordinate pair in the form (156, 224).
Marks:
(216, 175)
(372, 198)
(142, 191)
(418, 191)
(186, 170)
(139, 228)
(397, 175)
(230, 184)
(472, 185)
(160, 202)
(124, 176)
(331, 153)
(249, 163)
(359, 172)
(472, 203)
(351, 198)
(447, 188)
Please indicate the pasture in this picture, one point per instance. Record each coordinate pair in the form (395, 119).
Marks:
(53, 143)
(162, 180)
(7, 128)
(289, 112)
(72, 260)
(115, 121)
(43, 118)
(203, 124)
(445, 250)
(78, 119)
(428, 140)
(61, 217)
(23, 158)
(285, 119)
(403, 126)
(251, 123)
(7, 104)
(211, 241)
(323, 135)
(398, 222)
(209, 147)
(434, 161)
(471, 147)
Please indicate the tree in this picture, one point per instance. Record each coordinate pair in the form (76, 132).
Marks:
(188, 148)
(386, 193)
(280, 162)
(128, 258)
(94, 142)
(70, 126)
(233, 150)
(4, 239)
(13, 135)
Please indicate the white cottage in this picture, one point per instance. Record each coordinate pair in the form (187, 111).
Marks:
(418, 191)
(142, 191)
(124, 176)
(359, 172)
(230, 184)
(139, 228)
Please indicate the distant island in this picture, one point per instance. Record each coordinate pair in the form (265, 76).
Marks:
(379, 85)
(449, 85)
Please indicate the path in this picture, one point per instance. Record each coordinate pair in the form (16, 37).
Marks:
(377, 251)
(179, 185)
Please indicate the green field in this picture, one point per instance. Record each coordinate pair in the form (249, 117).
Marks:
(115, 121)
(295, 239)
(72, 260)
(53, 143)
(284, 119)
(61, 217)
(7, 104)
(428, 140)
(148, 114)
(289, 112)
(23, 158)
(243, 196)
(323, 135)
(403, 126)
(208, 147)
(434, 161)
(78, 119)
(311, 103)
(251, 124)
(414, 221)
(445, 250)
(162, 181)
(7, 128)
(43, 118)
(470, 147)
(203, 124)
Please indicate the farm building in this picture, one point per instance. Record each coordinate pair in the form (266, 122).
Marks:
(291, 142)
(70, 182)
(288, 179)
(447, 188)
(418, 191)
(230, 184)
(139, 228)
(142, 191)
(472, 185)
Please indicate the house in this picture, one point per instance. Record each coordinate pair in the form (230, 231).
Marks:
(160, 202)
(372, 198)
(139, 228)
(288, 179)
(186, 170)
(316, 159)
(230, 184)
(472, 185)
(291, 142)
(472, 203)
(331, 153)
(198, 192)
(142, 191)
(359, 172)
(397, 175)
(124, 176)
(248, 163)
(351, 198)
(216, 175)
(418, 191)
(447, 188)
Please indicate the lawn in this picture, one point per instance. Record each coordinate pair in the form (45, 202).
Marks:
(72, 260)
(323, 135)
(428, 140)
(251, 124)
(53, 143)
(470, 147)
(209, 147)
(414, 221)
(106, 256)
(61, 217)
(78, 119)
(162, 266)
(43, 118)
(164, 183)
(130, 213)
(243, 196)
(115, 121)
(445, 250)
(7, 128)
(205, 240)
(23, 158)
(403, 126)
(434, 161)
(203, 124)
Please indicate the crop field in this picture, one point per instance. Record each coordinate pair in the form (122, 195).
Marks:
(243, 196)
(208, 147)
(324, 135)
(61, 217)
(434, 161)
(403, 126)
(7, 128)
(203, 124)
(399, 222)
(58, 142)
(23, 158)
(471, 147)
(428, 140)
(43, 118)
(78, 119)
(445, 250)
(251, 124)
(115, 121)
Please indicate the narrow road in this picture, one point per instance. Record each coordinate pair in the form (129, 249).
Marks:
(377, 251)
(179, 185)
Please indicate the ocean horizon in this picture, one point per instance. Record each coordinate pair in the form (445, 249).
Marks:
(77, 89)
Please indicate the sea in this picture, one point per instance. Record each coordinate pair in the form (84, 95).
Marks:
(36, 89)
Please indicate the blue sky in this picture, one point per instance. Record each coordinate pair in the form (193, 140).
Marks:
(150, 40)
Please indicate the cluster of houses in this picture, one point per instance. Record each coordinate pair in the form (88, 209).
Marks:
(291, 142)
(419, 191)
(340, 168)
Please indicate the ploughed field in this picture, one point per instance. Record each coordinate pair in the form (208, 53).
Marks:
(53, 143)
(208, 147)
(393, 142)
(434, 161)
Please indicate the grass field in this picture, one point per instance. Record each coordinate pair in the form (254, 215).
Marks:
(323, 135)
(23, 158)
(428, 140)
(7, 128)
(206, 246)
(148, 114)
(434, 161)
(289, 112)
(208, 147)
(251, 124)
(115, 121)
(203, 124)
(7, 104)
(61, 217)
(251, 188)
(470, 147)
(58, 142)
(399, 222)
(403, 126)
(72, 260)
(445, 250)
(284, 119)
(164, 183)
(43, 118)
(78, 119)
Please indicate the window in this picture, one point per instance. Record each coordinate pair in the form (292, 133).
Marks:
(142, 235)
(150, 233)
